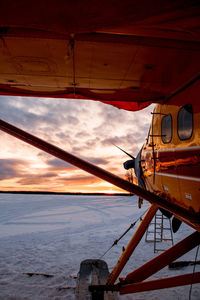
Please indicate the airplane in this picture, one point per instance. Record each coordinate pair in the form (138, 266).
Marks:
(128, 54)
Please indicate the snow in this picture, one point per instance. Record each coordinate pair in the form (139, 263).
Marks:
(52, 234)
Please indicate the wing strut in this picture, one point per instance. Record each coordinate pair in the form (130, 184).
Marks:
(189, 217)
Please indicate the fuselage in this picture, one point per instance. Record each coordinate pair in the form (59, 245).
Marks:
(170, 158)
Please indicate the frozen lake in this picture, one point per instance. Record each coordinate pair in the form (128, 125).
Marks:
(52, 234)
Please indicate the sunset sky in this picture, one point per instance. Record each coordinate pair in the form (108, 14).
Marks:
(87, 129)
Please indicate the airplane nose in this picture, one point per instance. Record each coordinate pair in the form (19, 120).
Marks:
(129, 164)
(135, 163)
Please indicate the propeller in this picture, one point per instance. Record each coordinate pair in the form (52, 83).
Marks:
(129, 163)
(135, 163)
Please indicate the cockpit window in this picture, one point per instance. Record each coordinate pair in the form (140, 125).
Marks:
(166, 129)
(185, 122)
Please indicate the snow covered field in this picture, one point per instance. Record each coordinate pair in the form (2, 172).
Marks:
(53, 234)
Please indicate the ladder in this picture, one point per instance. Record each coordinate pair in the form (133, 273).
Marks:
(160, 233)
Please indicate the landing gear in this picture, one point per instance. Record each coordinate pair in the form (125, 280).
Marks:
(93, 272)
(137, 281)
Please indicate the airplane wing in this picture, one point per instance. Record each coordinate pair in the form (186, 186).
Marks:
(125, 53)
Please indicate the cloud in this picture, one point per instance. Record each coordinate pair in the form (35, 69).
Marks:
(72, 120)
(127, 142)
(125, 129)
(10, 168)
(79, 179)
(97, 160)
(33, 180)
(81, 134)
(58, 164)
(38, 181)
(32, 113)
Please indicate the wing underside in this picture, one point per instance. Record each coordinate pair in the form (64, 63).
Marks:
(128, 57)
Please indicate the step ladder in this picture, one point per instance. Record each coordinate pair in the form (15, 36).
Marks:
(160, 233)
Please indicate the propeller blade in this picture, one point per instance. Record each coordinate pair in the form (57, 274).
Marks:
(125, 152)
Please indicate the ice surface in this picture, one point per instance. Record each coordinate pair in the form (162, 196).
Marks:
(52, 234)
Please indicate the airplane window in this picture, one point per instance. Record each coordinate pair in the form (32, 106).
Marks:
(166, 129)
(185, 122)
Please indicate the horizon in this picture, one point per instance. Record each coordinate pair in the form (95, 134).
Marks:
(67, 193)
